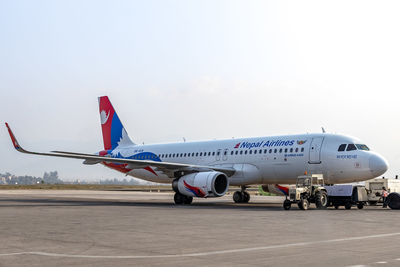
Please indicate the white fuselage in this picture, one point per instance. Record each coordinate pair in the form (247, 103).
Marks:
(264, 160)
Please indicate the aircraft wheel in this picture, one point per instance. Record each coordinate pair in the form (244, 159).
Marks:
(287, 204)
(246, 197)
(188, 200)
(179, 198)
(360, 206)
(347, 206)
(238, 197)
(336, 206)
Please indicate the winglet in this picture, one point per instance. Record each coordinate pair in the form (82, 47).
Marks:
(14, 140)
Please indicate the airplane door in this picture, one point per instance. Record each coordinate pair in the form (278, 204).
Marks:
(225, 155)
(218, 155)
(315, 150)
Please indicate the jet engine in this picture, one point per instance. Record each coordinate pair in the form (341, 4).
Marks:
(202, 184)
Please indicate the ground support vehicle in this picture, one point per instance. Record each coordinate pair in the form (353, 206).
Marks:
(374, 188)
(308, 189)
(347, 195)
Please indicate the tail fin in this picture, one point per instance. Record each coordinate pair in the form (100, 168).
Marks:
(114, 133)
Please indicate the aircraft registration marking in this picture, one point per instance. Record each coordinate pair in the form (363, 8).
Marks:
(346, 156)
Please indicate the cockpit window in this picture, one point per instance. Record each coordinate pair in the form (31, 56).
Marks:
(351, 147)
(342, 147)
(362, 147)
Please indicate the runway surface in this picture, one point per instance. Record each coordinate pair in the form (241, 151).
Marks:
(118, 228)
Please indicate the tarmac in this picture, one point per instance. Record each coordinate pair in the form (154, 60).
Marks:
(123, 228)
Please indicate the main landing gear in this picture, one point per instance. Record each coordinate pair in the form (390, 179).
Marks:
(181, 199)
(241, 196)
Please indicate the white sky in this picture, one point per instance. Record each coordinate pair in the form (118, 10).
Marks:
(198, 69)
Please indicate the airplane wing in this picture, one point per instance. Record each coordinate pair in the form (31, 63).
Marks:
(132, 163)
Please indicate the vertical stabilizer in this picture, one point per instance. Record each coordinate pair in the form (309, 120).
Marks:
(114, 133)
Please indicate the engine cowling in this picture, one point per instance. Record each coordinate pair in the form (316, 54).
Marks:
(202, 184)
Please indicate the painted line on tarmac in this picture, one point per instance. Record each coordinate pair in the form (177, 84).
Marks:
(199, 254)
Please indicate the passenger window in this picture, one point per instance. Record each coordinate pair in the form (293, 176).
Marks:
(245, 152)
(225, 153)
(265, 151)
(285, 150)
(213, 153)
(209, 153)
(231, 152)
(280, 150)
(270, 151)
(197, 154)
(201, 154)
(297, 149)
(260, 151)
(302, 149)
(236, 152)
(291, 150)
(351, 147)
(255, 151)
(193, 154)
(275, 150)
(241, 152)
(342, 147)
(250, 151)
(218, 153)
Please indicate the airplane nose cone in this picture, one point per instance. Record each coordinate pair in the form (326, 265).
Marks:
(377, 165)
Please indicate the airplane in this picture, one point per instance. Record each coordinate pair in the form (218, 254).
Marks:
(205, 169)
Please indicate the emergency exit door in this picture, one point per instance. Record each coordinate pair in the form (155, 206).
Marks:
(315, 150)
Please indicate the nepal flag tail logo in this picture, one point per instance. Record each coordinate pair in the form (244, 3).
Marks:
(114, 133)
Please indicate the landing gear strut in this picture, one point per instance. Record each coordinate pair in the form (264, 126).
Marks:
(182, 199)
(241, 196)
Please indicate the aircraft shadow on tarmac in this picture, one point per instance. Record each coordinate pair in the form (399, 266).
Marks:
(47, 202)
(26, 202)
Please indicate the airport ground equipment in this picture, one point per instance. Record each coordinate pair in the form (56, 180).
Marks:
(393, 201)
(308, 189)
(374, 188)
(347, 195)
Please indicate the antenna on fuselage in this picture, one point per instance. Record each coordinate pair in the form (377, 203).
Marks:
(323, 130)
